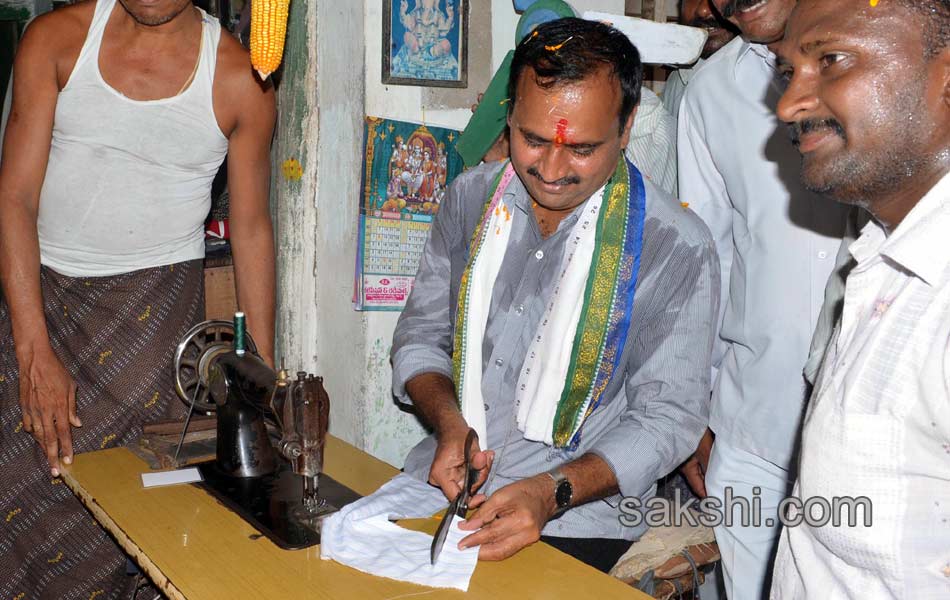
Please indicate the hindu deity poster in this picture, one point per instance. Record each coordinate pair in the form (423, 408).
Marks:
(406, 170)
(425, 42)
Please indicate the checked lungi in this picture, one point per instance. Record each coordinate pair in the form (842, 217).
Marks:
(116, 336)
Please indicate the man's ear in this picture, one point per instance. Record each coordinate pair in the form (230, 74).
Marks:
(628, 127)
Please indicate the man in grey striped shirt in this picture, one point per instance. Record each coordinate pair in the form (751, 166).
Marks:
(565, 147)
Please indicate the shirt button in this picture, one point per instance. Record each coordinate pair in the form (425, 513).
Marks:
(539, 254)
(486, 407)
(822, 255)
(520, 309)
(499, 362)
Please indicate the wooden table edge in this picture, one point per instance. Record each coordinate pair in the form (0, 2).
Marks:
(155, 574)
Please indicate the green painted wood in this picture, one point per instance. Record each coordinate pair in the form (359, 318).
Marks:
(292, 199)
(23, 10)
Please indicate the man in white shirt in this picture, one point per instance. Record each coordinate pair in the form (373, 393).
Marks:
(695, 13)
(777, 244)
(867, 104)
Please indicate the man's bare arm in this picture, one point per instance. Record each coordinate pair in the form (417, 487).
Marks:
(433, 395)
(252, 235)
(47, 392)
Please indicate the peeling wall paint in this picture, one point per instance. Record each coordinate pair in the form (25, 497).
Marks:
(320, 106)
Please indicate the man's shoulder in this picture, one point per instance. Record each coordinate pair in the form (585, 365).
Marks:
(480, 175)
(234, 78)
(471, 188)
(233, 61)
(62, 31)
(671, 213)
(717, 70)
(231, 54)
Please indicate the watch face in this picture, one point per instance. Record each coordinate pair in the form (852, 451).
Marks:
(563, 494)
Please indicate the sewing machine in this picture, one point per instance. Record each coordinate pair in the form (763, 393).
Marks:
(262, 417)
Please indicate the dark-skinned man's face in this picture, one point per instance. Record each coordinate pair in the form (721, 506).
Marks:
(867, 106)
(565, 141)
(699, 13)
(760, 21)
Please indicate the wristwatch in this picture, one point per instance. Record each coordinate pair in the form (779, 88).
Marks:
(563, 491)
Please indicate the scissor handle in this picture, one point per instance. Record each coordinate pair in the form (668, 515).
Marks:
(471, 475)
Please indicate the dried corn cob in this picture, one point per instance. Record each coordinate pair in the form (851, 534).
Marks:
(268, 30)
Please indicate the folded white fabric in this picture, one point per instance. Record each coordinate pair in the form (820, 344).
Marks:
(362, 536)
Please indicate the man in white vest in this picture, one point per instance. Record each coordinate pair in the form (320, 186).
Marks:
(122, 113)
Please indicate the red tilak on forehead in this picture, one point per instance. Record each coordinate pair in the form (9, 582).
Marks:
(560, 135)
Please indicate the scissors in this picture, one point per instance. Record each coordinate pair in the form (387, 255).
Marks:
(459, 506)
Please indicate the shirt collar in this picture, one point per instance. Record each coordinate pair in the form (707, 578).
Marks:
(920, 243)
(686, 73)
(760, 51)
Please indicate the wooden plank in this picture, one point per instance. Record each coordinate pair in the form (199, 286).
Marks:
(192, 547)
(220, 293)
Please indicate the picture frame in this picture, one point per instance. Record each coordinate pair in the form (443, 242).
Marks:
(425, 43)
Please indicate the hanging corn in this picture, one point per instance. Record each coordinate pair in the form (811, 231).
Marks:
(268, 30)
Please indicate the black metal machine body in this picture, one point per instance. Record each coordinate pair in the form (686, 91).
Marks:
(262, 416)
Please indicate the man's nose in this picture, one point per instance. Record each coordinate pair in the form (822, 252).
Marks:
(704, 10)
(554, 163)
(800, 98)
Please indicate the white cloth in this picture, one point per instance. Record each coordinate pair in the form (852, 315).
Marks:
(483, 274)
(878, 424)
(776, 242)
(652, 145)
(362, 535)
(746, 551)
(545, 367)
(128, 183)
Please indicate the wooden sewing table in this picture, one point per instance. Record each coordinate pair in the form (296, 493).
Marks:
(194, 548)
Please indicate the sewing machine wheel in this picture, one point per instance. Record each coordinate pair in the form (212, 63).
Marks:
(196, 353)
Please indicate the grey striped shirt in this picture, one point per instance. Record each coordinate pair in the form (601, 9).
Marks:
(654, 410)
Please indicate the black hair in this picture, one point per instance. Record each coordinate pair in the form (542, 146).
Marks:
(570, 50)
(937, 28)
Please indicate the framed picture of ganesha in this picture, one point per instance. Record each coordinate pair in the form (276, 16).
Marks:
(425, 42)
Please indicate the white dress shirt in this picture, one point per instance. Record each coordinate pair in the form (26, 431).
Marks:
(777, 244)
(675, 87)
(652, 145)
(878, 424)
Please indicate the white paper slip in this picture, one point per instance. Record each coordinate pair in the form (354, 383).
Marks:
(189, 475)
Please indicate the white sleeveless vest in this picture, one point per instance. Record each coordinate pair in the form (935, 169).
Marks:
(128, 183)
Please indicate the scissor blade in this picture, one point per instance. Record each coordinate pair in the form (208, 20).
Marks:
(441, 533)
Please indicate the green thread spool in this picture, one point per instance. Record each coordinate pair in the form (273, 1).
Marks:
(239, 329)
